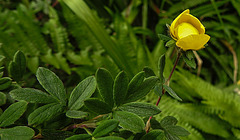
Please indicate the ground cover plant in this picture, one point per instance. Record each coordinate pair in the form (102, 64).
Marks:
(74, 69)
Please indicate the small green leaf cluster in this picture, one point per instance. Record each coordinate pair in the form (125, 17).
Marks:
(17, 67)
(162, 85)
(188, 56)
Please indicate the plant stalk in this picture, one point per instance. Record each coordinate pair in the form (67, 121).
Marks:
(163, 91)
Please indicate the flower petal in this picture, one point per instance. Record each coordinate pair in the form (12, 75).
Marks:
(193, 42)
(175, 21)
(185, 29)
(192, 20)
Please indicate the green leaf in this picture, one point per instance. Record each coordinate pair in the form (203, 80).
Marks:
(31, 95)
(148, 72)
(154, 135)
(44, 113)
(97, 106)
(105, 127)
(129, 121)
(14, 71)
(76, 114)
(12, 113)
(176, 130)
(2, 58)
(171, 43)
(171, 92)
(161, 65)
(105, 85)
(170, 136)
(110, 138)
(171, 130)
(5, 83)
(141, 109)
(189, 54)
(18, 66)
(1, 73)
(3, 98)
(163, 37)
(81, 92)
(158, 89)
(135, 83)
(168, 120)
(56, 134)
(17, 133)
(143, 90)
(20, 59)
(80, 137)
(1, 70)
(191, 63)
(52, 84)
(120, 88)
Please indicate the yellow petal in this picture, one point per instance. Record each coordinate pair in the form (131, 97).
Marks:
(185, 29)
(175, 21)
(191, 20)
(193, 42)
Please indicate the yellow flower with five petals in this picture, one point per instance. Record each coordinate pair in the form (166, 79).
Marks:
(189, 32)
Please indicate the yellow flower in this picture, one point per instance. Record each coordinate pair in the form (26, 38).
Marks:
(189, 32)
(238, 83)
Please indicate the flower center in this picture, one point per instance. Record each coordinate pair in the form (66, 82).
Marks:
(185, 29)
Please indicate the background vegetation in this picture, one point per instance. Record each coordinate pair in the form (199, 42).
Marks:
(74, 38)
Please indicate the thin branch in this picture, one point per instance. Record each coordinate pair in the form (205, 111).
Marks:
(235, 61)
(148, 125)
(199, 61)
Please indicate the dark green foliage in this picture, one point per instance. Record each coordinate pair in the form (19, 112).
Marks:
(56, 134)
(189, 60)
(80, 137)
(2, 98)
(105, 128)
(17, 67)
(76, 114)
(44, 113)
(171, 130)
(18, 132)
(136, 82)
(143, 89)
(110, 138)
(12, 113)
(148, 72)
(120, 88)
(129, 121)
(171, 43)
(105, 85)
(141, 109)
(52, 84)
(81, 92)
(154, 135)
(161, 65)
(164, 37)
(5, 83)
(31, 95)
(97, 106)
(73, 40)
(171, 92)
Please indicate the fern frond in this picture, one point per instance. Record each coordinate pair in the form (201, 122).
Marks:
(189, 114)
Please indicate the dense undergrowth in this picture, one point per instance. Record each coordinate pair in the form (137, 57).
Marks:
(73, 38)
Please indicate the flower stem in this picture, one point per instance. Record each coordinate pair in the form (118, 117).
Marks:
(163, 91)
(174, 67)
